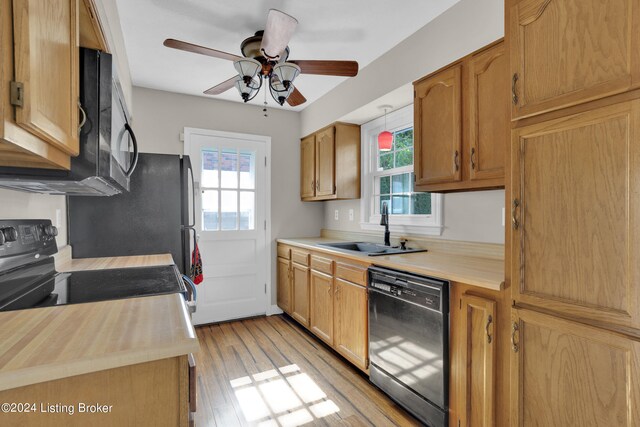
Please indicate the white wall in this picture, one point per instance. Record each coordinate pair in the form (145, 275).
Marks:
(19, 205)
(467, 26)
(161, 117)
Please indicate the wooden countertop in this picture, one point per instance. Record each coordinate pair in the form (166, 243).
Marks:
(477, 271)
(114, 262)
(45, 344)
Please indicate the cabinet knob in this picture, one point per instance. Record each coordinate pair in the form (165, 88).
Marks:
(514, 219)
(473, 158)
(486, 328)
(456, 160)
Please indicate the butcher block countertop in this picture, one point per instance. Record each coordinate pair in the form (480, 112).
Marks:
(45, 344)
(476, 271)
(114, 262)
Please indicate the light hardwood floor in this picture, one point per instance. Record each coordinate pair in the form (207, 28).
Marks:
(268, 371)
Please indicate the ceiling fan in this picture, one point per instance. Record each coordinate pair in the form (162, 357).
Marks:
(265, 57)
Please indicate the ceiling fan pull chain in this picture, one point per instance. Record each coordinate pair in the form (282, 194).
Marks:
(264, 109)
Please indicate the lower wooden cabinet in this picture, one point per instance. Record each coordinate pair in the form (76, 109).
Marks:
(157, 393)
(478, 337)
(300, 284)
(321, 317)
(284, 293)
(351, 322)
(568, 374)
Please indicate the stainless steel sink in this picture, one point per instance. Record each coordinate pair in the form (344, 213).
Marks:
(370, 249)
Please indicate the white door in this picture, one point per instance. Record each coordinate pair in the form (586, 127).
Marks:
(231, 223)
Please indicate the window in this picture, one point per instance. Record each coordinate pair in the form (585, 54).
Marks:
(228, 189)
(388, 178)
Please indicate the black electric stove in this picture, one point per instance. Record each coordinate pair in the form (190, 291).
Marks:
(28, 278)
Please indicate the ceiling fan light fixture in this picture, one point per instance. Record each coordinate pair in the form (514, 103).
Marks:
(248, 91)
(286, 72)
(247, 68)
(279, 92)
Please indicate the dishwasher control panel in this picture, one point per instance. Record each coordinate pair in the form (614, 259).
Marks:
(417, 293)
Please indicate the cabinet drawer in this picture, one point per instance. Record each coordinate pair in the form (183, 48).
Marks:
(284, 252)
(300, 257)
(352, 273)
(325, 265)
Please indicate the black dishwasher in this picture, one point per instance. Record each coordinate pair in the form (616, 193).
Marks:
(409, 341)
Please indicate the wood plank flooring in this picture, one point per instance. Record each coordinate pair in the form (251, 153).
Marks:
(269, 371)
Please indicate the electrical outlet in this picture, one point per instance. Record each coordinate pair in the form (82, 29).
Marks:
(336, 214)
(350, 214)
(58, 218)
(503, 217)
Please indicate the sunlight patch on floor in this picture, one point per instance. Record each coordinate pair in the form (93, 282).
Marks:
(285, 397)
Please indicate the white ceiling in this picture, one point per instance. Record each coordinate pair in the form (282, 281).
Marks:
(360, 30)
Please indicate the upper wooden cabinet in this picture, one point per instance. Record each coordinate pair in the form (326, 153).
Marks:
(575, 245)
(46, 70)
(461, 124)
(565, 52)
(438, 128)
(40, 80)
(330, 163)
(567, 374)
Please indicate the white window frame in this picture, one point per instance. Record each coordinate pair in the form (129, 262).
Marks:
(409, 224)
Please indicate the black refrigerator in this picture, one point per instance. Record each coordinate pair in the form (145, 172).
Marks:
(157, 215)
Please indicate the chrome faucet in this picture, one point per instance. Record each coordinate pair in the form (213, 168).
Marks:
(384, 220)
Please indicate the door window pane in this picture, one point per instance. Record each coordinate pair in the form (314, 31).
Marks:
(210, 210)
(248, 170)
(229, 210)
(229, 168)
(209, 168)
(247, 210)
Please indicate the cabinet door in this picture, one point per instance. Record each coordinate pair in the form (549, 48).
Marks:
(325, 162)
(488, 106)
(351, 322)
(438, 128)
(300, 309)
(564, 52)
(284, 285)
(46, 64)
(567, 374)
(321, 318)
(478, 361)
(575, 242)
(308, 167)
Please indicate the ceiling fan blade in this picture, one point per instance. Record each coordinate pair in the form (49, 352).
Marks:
(194, 48)
(222, 87)
(327, 68)
(277, 33)
(296, 98)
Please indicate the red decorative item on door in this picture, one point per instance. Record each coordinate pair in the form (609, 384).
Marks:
(196, 266)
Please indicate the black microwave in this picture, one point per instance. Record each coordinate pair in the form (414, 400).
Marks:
(108, 147)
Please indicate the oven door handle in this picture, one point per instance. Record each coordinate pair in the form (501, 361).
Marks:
(134, 160)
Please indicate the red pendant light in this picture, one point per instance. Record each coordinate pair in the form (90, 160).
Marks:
(385, 138)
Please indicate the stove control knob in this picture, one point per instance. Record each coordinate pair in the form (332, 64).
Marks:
(51, 231)
(10, 234)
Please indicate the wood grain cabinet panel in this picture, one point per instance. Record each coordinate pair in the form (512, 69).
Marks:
(351, 322)
(478, 361)
(321, 317)
(565, 52)
(300, 308)
(576, 213)
(46, 64)
(325, 162)
(567, 374)
(487, 104)
(284, 291)
(438, 128)
(308, 167)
